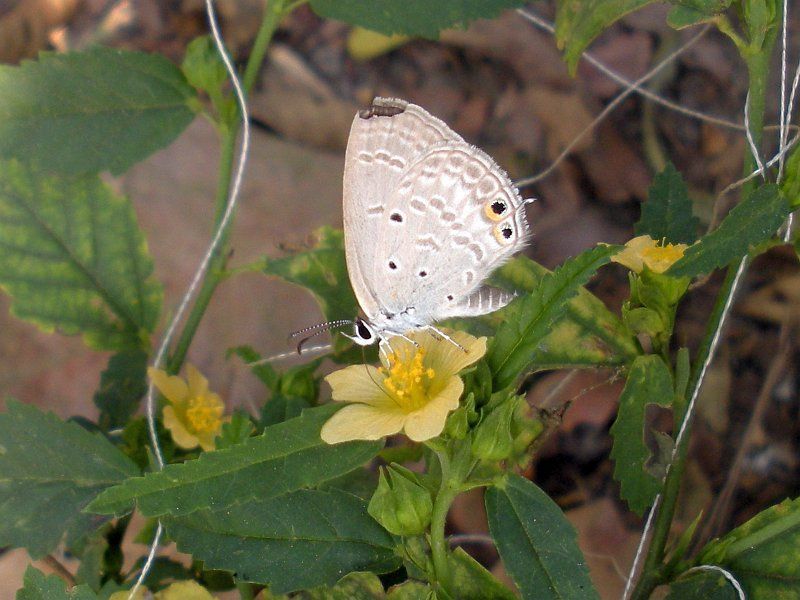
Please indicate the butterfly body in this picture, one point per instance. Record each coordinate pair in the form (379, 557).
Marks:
(427, 218)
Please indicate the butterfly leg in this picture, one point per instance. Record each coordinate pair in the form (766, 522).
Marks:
(441, 334)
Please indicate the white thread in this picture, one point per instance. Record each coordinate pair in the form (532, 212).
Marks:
(590, 58)
(611, 106)
(750, 141)
(290, 354)
(685, 422)
(199, 273)
(726, 574)
(792, 143)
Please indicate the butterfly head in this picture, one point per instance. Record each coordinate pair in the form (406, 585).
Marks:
(363, 333)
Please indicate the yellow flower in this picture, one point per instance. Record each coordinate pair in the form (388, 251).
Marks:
(194, 414)
(644, 251)
(413, 391)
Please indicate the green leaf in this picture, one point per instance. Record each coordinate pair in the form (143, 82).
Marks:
(536, 542)
(587, 335)
(578, 22)
(473, 582)
(294, 541)
(751, 222)
(410, 590)
(353, 586)
(91, 111)
(235, 431)
(73, 258)
(763, 554)
(649, 382)
(519, 337)
(49, 470)
(790, 186)
(686, 13)
(286, 457)
(122, 386)
(38, 586)
(703, 585)
(411, 17)
(667, 214)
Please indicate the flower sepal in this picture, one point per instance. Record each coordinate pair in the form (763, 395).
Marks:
(401, 503)
(492, 439)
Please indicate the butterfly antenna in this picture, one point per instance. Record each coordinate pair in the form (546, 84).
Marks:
(320, 327)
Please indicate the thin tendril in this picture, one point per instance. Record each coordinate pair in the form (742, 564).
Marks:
(201, 270)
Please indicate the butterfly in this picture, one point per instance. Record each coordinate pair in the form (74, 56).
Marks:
(427, 218)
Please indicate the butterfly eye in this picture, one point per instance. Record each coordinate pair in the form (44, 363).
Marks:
(504, 233)
(364, 332)
(496, 209)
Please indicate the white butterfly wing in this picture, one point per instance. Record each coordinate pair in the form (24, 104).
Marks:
(384, 140)
(451, 218)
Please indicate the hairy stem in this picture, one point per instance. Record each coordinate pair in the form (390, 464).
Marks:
(441, 506)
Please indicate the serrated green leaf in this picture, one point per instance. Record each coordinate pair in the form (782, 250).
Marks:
(294, 541)
(667, 214)
(578, 22)
(122, 386)
(353, 586)
(323, 272)
(587, 335)
(73, 258)
(649, 382)
(411, 17)
(790, 186)
(91, 111)
(286, 457)
(49, 470)
(703, 585)
(751, 222)
(536, 542)
(38, 586)
(763, 554)
(528, 320)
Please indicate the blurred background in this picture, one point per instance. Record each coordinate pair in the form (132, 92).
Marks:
(502, 85)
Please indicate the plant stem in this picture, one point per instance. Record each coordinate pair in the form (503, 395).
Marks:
(653, 569)
(215, 274)
(448, 490)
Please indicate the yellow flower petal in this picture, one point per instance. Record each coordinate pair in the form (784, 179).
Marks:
(198, 385)
(631, 256)
(180, 435)
(362, 422)
(172, 387)
(446, 358)
(428, 422)
(357, 383)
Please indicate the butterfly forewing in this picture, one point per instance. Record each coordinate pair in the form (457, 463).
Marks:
(379, 150)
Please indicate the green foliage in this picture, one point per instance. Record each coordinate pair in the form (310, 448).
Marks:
(702, 585)
(401, 503)
(353, 586)
(530, 318)
(122, 386)
(268, 540)
(578, 22)
(96, 110)
(790, 186)
(235, 431)
(410, 590)
(536, 542)
(286, 457)
(751, 222)
(686, 13)
(411, 17)
(473, 582)
(667, 214)
(49, 470)
(763, 553)
(38, 586)
(649, 382)
(322, 271)
(587, 334)
(74, 259)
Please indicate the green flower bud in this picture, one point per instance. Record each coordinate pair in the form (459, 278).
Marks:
(203, 67)
(401, 503)
(492, 439)
(643, 320)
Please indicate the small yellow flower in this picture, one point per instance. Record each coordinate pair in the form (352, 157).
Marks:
(414, 390)
(644, 251)
(194, 414)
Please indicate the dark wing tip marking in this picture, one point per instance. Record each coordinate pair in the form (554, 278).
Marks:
(377, 110)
